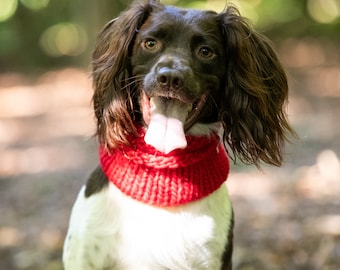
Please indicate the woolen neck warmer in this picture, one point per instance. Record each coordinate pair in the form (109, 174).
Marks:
(182, 176)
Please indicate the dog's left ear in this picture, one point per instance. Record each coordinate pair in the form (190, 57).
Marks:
(256, 89)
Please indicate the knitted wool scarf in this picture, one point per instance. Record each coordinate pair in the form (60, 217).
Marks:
(182, 176)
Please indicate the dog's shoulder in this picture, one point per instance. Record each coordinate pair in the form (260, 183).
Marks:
(96, 182)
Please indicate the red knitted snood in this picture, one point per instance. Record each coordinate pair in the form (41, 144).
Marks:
(182, 176)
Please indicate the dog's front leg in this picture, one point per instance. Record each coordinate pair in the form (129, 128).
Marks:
(92, 223)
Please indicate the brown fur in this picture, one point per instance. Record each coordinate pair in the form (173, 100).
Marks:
(251, 106)
(256, 91)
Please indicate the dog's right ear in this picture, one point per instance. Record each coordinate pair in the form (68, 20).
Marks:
(112, 99)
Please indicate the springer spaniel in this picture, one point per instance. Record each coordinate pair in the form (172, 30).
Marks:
(173, 89)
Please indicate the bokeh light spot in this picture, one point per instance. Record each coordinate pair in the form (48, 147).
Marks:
(7, 9)
(35, 4)
(324, 11)
(64, 39)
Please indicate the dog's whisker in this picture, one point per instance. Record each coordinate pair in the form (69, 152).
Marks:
(132, 81)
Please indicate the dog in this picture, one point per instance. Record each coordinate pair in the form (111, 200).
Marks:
(177, 93)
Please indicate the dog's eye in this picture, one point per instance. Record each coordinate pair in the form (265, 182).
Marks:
(205, 52)
(150, 44)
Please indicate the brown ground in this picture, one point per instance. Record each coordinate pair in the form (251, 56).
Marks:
(286, 218)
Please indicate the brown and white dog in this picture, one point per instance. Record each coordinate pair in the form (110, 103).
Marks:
(174, 88)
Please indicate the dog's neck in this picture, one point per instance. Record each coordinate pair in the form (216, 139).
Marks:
(182, 176)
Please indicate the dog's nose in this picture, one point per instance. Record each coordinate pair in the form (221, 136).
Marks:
(170, 78)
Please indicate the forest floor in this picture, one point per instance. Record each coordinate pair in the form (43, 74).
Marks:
(286, 218)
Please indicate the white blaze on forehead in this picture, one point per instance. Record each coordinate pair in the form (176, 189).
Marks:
(166, 127)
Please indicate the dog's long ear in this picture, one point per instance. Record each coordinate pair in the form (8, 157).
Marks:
(112, 99)
(253, 116)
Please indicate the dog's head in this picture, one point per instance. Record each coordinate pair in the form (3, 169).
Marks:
(179, 71)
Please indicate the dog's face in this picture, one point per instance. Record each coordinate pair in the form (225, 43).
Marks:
(179, 54)
(170, 69)
(179, 60)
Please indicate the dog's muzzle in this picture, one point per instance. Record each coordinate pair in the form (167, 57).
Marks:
(171, 103)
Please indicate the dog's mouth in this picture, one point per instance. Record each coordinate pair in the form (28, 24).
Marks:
(168, 118)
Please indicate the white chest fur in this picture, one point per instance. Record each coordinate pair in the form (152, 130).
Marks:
(109, 230)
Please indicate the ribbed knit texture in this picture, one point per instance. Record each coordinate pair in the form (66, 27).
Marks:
(182, 176)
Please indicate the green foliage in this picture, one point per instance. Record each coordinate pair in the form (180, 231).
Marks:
(41, 34)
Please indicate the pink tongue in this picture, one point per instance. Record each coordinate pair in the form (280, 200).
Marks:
(166, 127)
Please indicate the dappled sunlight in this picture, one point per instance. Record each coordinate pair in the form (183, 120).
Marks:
(325, 82)
(10, 237)
(46, 126)
(314, 80)
(37, 159)
(317, 61)
(321, 179)
(53, 92)
(296, 211)
(252, 185)
(299, 53)
(21, 101)
(56, 107)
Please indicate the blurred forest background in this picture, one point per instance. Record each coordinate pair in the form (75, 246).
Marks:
(286, 218)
